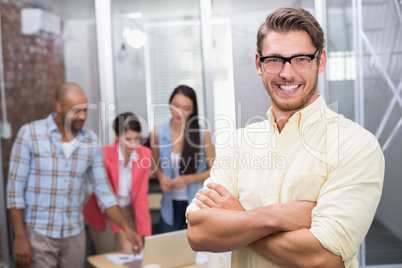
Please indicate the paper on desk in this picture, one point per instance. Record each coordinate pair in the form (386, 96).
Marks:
(121, 258)
(202, 257)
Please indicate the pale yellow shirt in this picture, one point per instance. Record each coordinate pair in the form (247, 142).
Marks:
(318, 156)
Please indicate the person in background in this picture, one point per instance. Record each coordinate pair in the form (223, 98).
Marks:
(49, 163)
(183, 154)
(301, 188)
(128, 166)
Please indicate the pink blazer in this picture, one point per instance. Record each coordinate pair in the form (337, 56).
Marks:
(139, 192)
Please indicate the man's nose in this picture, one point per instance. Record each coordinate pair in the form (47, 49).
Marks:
(287, 71)
(82, 114)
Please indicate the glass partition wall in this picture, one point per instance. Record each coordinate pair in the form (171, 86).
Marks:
(364, 78)
(157, 45)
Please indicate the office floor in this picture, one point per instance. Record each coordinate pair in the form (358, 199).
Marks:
(382, 246)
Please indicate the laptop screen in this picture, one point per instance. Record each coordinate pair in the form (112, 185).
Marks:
(168, 250)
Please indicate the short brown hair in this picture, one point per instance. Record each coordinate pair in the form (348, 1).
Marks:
(291, 19)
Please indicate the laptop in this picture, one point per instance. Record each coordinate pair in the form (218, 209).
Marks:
(168, 250)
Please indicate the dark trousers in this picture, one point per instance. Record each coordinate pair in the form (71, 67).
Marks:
(179, 218)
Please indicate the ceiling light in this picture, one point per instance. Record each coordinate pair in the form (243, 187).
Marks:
(136, 38)
(134, 15)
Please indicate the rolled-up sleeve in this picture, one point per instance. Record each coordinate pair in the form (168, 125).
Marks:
(99, 181)
(349, 198)
(18, 172)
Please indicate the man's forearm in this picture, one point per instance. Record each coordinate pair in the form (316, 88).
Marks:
(17, 220)
(114, 214)
(298, 248)
(134, 238)
(220, 230)
(23, 253)
(217, 229)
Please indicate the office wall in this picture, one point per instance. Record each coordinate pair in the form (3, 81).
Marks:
(388, 211)
(129, 68)
(251, 98)
(80, 54)
(33, 68)
(81, 65)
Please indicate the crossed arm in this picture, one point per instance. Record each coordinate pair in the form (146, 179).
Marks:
(279, 232)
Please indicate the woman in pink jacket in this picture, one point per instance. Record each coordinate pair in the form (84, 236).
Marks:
(127, 165)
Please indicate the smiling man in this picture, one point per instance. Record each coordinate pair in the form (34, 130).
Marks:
(49, 163)
(315, 209)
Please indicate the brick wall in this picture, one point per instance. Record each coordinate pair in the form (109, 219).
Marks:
(33, 68)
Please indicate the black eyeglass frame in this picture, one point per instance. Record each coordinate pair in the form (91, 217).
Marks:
(288, 59)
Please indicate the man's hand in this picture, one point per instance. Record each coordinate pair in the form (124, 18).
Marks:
(288, 216)
(216, 196)
(23, 253)
(114, 213)
(135, 240)
(126, 246)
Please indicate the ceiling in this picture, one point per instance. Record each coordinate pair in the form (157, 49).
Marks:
(80, 9)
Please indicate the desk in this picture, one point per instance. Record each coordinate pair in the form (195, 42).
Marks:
(100, 261)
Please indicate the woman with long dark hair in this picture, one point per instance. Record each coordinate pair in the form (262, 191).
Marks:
(183, 155)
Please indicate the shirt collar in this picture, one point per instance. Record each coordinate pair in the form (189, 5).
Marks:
(121, 156)
(133, 155)
(53, 127)
(309, 113)
(50, 122)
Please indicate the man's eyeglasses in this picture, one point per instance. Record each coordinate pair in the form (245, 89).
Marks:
(300, 63)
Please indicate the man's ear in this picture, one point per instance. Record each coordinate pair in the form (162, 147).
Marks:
(258, 64)
(323, 61)
(58, 107)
